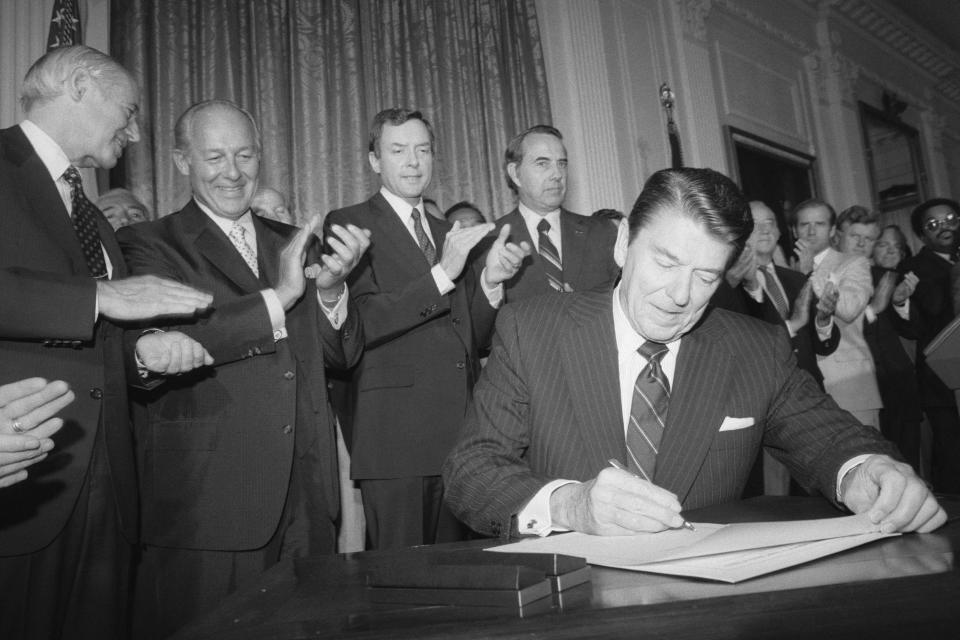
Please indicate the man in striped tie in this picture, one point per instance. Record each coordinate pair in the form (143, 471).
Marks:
(650, 374)
(571, 252)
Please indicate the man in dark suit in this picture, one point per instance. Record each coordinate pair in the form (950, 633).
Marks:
(935, 222)
(776, 294)
(699, 393)
(422, 313)
(237, 462)
(66, 531)
(570, 252)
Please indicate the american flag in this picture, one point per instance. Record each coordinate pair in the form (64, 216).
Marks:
(64, 24)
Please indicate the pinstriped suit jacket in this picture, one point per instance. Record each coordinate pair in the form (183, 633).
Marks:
(548, 406)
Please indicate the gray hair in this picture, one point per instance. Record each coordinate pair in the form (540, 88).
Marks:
(46, 77)
(183, 130)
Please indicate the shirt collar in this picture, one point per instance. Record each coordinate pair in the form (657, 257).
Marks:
(817, 259)
(532, 218)
(628, 340)
(400, 206)
(47, 149)
(246, 220)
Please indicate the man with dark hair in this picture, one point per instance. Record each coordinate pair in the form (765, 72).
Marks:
(853, 387)
(570, 252)
(67, 531)
(464, 212)
(935, 222)
(422, 314)
(649, 375)
(237, 462)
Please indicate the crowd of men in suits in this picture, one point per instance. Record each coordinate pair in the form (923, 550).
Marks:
(223, 323)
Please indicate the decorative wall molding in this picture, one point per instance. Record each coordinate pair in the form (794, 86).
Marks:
(694, 14)
(902, 35)
(737, 10)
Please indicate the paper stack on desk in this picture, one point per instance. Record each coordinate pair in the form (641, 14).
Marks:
(726, 553)
(522, 582)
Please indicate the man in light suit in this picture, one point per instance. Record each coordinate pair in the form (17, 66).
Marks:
(67, 531)
(536, 170)
(561, 394)
(237, 462)
(423, 313)
(849, 373)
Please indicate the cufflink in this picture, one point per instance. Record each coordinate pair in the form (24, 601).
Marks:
(532, 524)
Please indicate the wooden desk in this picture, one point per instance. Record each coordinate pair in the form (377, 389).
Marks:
(904, 587)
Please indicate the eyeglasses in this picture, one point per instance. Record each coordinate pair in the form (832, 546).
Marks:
(934, 225)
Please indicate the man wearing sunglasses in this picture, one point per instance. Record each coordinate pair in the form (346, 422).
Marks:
(936, 223)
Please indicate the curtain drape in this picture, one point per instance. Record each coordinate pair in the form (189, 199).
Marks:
(314, 72)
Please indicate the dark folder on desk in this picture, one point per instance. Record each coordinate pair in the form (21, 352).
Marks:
(943, 354)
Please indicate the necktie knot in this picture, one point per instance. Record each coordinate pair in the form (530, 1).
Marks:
(653, 351)
(543, 226)
(72, 176)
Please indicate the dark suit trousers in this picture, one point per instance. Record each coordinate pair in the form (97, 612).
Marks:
(403, 512)
(945, 466)
(174, 586)
(79, 585)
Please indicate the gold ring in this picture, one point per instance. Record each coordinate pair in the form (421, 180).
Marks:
(17, 427)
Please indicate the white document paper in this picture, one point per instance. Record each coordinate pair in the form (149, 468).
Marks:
(727, 553)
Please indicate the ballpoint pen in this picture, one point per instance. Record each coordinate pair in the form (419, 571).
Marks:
(616, 464)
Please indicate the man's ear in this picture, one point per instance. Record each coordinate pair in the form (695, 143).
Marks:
(512, 172)
(374, 162)
(182, 161)
(623, 239)
(77, 84)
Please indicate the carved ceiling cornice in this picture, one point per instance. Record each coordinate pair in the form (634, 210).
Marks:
(898, 32)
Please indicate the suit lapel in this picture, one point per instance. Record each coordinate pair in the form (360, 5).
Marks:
(696, 408)
(43, 197)
(574, 244)
(395, 233)
(589, 356)
(269, 246)
(217, 249)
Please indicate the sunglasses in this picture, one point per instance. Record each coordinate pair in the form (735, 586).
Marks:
(933, 224)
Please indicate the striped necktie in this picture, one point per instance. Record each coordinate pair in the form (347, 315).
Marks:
(551, 257)
(648, 412)
(425, 245)
(773, 290)
(84, 217)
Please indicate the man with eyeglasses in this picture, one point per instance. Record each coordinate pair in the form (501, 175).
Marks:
(935, 222)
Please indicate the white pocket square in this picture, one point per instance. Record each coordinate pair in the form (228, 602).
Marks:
(732, 424)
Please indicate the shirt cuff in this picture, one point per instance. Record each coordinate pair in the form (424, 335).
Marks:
(824, 332)
(534, 519)
(847, 467)
(495, 294)
(337, 314)
(444, 283)
(278, 319)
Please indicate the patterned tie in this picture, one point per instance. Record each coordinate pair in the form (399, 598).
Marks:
(425, 245)
(648, 412)
(85, 225)
(551, 257)
(238, 236)
(773, 290)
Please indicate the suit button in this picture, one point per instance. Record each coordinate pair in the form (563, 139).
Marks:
(96, 394)
(288, 375)
(256, 350)
(456, 321)
(329, 384)
(461, 365)
(287, 428)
